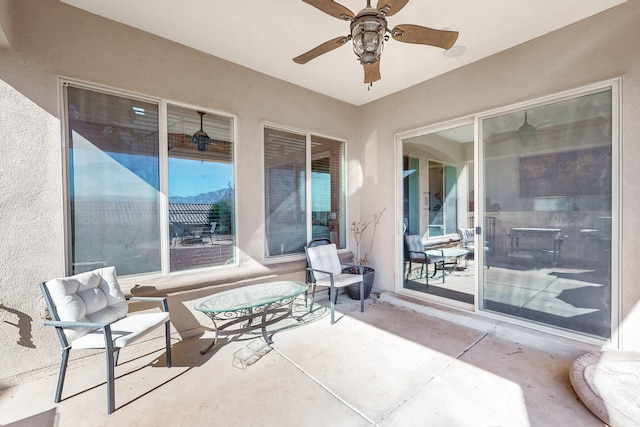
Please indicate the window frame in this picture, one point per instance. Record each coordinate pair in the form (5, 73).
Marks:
(163, 157)
(274, 259)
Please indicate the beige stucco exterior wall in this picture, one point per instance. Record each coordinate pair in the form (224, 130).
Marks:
(596, 49)
(49, 39)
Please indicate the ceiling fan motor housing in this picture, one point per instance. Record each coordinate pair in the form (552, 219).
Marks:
(368, 30)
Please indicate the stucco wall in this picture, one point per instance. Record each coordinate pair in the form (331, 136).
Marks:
(596, 49)
(50, 39)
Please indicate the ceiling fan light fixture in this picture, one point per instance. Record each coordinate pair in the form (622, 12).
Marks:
(368, 34)
(200, 138)
(526, 132)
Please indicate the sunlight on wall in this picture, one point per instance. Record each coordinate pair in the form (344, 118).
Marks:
(355, 177)
(371, 158)
(630, 335)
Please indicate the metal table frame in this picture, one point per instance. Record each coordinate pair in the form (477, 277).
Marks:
(244, 304)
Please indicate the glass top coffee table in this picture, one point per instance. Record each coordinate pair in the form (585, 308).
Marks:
(271, 302)
(454, 255)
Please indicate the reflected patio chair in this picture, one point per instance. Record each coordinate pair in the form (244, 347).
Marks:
(89, 311)
(211, 232)
(414, 252)
(467, 240)
(324, 269)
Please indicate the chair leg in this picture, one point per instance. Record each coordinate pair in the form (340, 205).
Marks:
(61, 375)
(332, 297)
(111, 398)
(111, 368)
(167, 332)
(313, 297)
(427, 275)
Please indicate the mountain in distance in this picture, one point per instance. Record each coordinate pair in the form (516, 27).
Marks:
(210, 197)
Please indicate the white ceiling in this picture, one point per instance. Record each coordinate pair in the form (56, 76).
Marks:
(265, 35)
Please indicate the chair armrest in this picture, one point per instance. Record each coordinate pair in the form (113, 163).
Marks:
(320, 271)
(71, 325)
(348, 264)
(419, 252)
(162, 300)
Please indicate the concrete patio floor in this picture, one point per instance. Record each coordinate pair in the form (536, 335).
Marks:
(399, 363)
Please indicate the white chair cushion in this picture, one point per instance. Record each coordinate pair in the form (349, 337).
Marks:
(94, 296)
(325, 258)
(340, 280)
(123, 332)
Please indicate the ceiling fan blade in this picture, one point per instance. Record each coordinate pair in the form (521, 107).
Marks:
(391, 7)
(323, 48)
(372, 72)
(409, 33)
(332, 8)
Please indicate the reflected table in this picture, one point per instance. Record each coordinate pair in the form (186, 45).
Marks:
(454, 255)
(270, 302)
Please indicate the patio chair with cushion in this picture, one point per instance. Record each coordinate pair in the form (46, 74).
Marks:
(324, 269)
(467, 240)
(89, 311)
(414, 252)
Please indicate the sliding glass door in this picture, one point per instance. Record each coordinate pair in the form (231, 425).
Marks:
(437, 186)
(548, 186)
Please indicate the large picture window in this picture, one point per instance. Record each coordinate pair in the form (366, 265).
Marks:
(115, 213)
(114, 182)
(296, 164)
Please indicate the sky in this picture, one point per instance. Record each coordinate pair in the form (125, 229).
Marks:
(193, 177)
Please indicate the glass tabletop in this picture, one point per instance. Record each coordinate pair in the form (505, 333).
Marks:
(251, 296)
(447, 252)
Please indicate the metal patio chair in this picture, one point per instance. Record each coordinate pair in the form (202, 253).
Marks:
(414, 252)
(89, 311)
(324, 269)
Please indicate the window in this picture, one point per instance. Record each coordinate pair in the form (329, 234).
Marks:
(116, 215)
(296, 164)
(201, 189)
(113, 182)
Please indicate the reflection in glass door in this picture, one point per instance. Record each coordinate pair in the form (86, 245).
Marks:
(548, 186)
(437, 212)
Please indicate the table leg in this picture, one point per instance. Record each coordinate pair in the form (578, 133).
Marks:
(264, 327)
(215, 338)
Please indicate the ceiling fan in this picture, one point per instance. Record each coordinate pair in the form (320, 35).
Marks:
(200, 139)
(369, 32)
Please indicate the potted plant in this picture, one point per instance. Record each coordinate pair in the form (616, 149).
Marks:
(358, 229)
